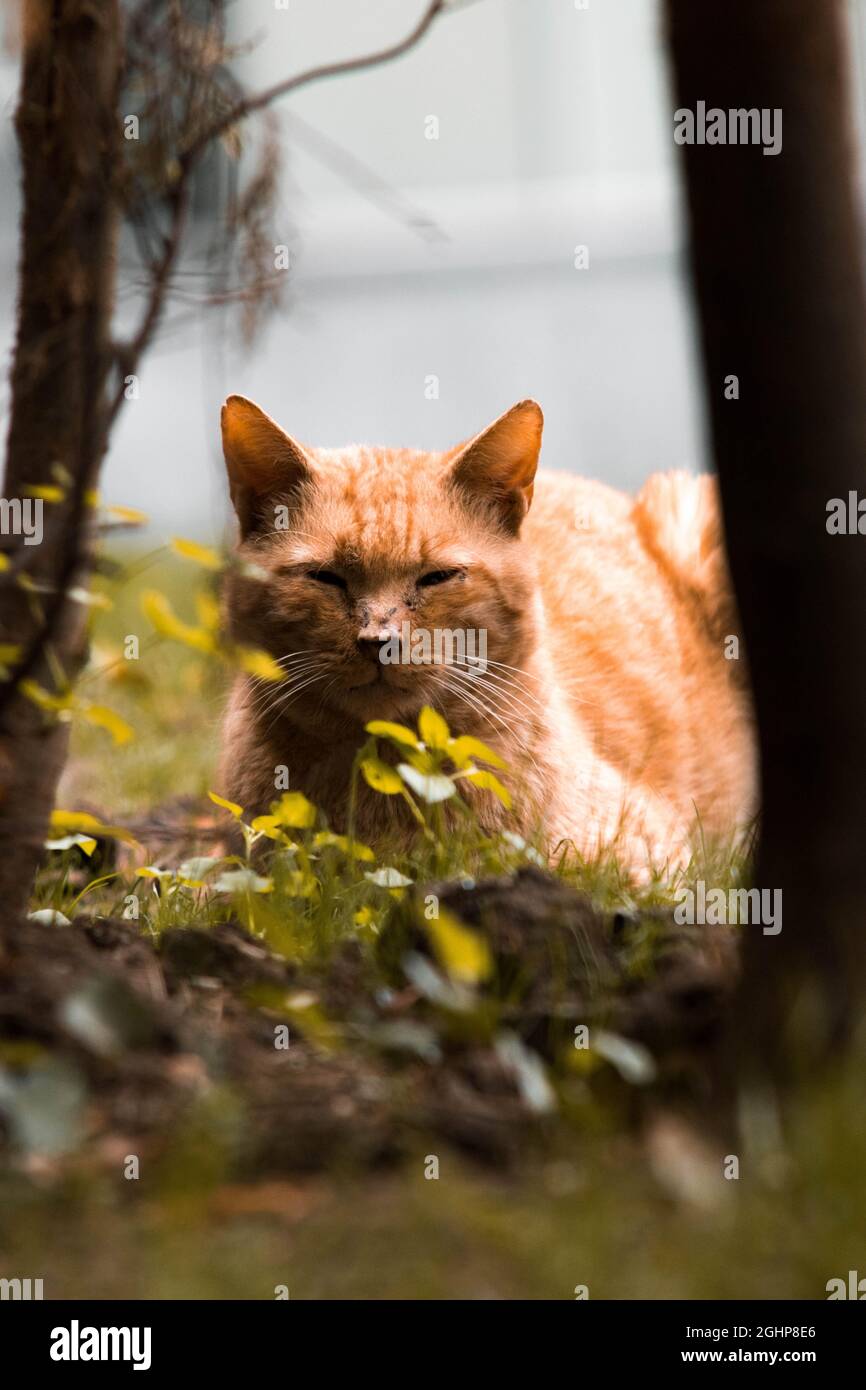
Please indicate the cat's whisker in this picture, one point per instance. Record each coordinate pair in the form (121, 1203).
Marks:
(505, 682)
(279, 707)
(270, 692)
(513, 697)
(490, 715)
(524, 690)
(474, 704)
(329, 686)
(468, 685)
(262, 688)
(519, 670)
(287, 689)
(521, 684)
(311, 680)
(292, 658)
(495, 706)
(485, 666)
(573, 681)
(470, 664)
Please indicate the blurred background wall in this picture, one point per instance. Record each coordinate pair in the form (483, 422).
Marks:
(432, 210)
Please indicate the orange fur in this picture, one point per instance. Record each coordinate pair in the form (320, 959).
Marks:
(612, 700)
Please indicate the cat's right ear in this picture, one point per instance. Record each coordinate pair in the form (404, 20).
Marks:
(263, 462)
(497, 468)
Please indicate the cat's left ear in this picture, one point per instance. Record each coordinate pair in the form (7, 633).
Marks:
(263, 462)
(497, 468)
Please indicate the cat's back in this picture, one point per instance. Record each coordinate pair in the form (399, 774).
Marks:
(645, 554)
(638, 605)
(566, 508)
(586, 548)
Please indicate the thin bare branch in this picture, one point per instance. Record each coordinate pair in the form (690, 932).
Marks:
(248, 105)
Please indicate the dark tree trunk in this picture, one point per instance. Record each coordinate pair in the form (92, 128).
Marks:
(776, 256)
(68, 130)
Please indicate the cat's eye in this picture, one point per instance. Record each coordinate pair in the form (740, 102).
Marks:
(328, 577)
(426, 581)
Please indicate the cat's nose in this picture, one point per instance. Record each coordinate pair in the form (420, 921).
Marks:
(374, 637)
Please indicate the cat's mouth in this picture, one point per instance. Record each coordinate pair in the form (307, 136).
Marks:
(377, 678)
(379, 691)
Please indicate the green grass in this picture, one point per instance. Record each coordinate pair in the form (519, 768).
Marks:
(170, 697)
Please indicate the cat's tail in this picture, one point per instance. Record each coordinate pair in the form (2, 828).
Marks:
(679, 520)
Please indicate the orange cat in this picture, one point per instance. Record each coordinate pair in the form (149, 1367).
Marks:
(606, 623)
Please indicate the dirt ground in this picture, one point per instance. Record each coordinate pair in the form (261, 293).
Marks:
(352, 1061)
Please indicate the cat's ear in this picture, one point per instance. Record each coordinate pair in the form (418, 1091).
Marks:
(497, 467)
(263, 462)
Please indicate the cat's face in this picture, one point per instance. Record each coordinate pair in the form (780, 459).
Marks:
(366, 559)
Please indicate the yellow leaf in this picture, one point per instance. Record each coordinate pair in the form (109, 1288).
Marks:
(294, 809)
(82, 842)
(131, 515)
(490, 783)
(58, 704)
(381, 777)
(71, 822)
(82, 822)
(208, 610)
(259, 663)
(300, 884)
(4, 562)
(462, 953)
(463, 749)
(422, 760)
(383, 728)
(353, 847)
(10, 652)
(232, 806)
(105, 718)
(267, 825)
(48, 492)
(433, 729)
(202, 554)
(157, 608)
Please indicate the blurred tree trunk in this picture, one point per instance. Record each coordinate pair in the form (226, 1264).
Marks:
(68, 134)
(776, 248)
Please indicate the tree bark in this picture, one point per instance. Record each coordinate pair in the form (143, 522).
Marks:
(776, 259)
(68, 129)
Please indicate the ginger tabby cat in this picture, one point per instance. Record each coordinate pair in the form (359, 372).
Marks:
(605, 688)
